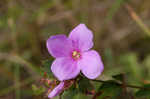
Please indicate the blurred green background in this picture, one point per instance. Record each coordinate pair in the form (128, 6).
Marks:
(121, 36)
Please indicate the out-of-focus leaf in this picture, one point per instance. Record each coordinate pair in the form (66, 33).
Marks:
(70, 93)
(110, 89)
(78, 91)
(144, 93)
(118, 77)
(85, 85)
(132, 67)
(108, 55)
(147, 64)
(46, 67)
(82, 96)
(38, 91)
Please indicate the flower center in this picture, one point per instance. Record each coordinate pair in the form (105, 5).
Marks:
(76, 55)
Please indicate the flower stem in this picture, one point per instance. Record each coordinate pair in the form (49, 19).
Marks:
(130, 86)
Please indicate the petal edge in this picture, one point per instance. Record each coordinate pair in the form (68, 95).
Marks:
(59, 45)
(82, 37)
(65, 68)
(91, 64)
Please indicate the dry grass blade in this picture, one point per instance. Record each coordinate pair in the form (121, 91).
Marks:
(137, 19)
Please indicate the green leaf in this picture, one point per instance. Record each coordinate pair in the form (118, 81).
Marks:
(85, 85)
(77, 91)
(38, 91)
(144, 93)
(118, 77)
(132, 67)
(70, 93)
(82, 96)
(46, 67)
(110, 89)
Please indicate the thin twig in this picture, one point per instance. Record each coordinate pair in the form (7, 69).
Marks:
(131, 86)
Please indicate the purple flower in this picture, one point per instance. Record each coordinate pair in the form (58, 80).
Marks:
(73, 54)
(57, 90)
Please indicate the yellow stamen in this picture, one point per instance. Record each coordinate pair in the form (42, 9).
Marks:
(76, 55)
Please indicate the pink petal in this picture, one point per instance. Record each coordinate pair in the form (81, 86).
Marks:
(91, 64)
(59, 46)
(82, 37)
(57, 90)
(65, 68)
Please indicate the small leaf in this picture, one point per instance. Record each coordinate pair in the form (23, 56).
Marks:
(85, 85)
(70, 93)
(110, 89)
(78, 91)
(46, 67)
(118, 77)
(144, 93)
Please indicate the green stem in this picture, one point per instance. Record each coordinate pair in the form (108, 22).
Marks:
(121, 84)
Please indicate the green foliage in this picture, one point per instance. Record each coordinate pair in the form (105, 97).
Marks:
(85, 85)
(38, 90)
(110, 89)
(75, 93)
(118, 77)
(46, 68)
(70, 93)
(132, 67)
(146, 63)
(144, 93)
(108, 55)
(82, 96)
